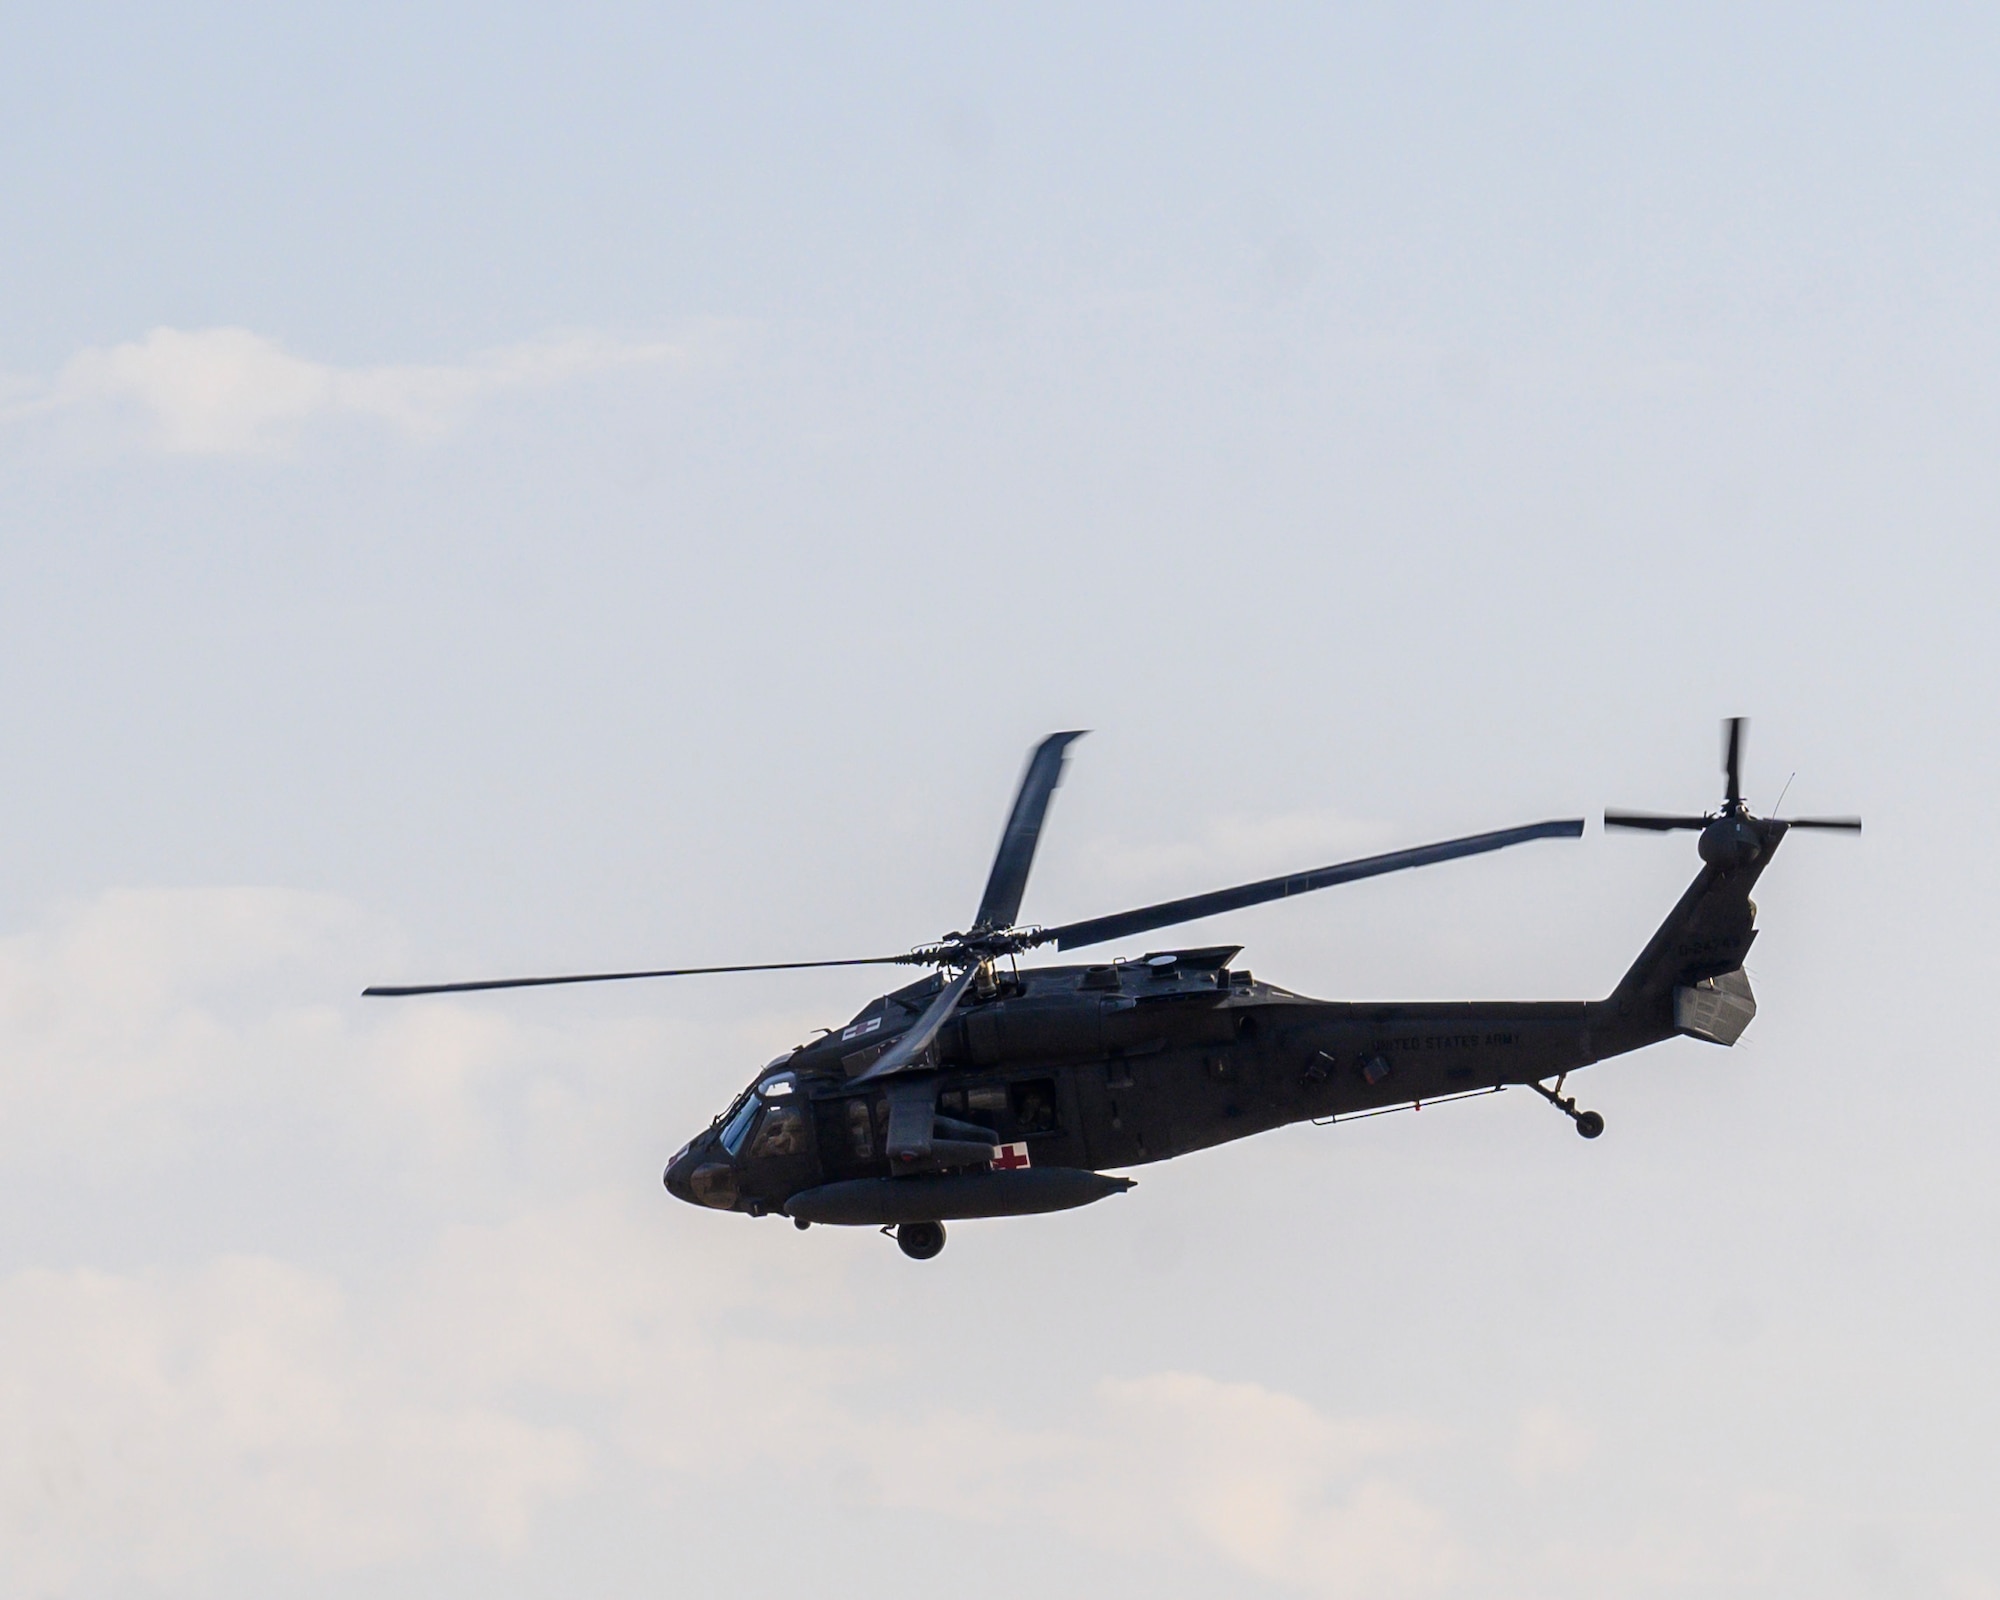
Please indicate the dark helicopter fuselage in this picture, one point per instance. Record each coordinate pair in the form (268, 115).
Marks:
(988, 1091)
(1088, 1068)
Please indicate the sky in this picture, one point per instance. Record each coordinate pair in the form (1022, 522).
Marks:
(485, 490)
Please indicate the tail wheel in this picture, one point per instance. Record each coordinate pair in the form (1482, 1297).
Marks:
(920, 1240)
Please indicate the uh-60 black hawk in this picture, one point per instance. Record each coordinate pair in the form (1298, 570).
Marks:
(992, 1090)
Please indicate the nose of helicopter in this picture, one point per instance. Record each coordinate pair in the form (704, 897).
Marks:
(676, 1175)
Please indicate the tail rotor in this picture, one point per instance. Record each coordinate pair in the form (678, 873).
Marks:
(1732, 835)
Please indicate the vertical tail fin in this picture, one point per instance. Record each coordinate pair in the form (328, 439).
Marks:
(1682, 981)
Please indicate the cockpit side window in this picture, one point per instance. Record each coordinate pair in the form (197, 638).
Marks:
(781, 1133)
(738, 1126)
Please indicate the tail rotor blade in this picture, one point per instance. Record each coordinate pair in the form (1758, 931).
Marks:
(1732, 756)
(1652, 820)
(1840, 824)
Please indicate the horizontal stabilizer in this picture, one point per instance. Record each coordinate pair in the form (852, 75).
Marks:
(1716, 1009)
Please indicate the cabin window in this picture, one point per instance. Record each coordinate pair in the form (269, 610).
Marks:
(1034, 1106)
(860, 1130)
(847, 1130)
(781, 1133)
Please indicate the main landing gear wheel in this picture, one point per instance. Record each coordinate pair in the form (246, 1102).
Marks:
(920, 1240)
(1589, 1124)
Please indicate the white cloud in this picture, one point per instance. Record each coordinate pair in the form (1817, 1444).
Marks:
(155, 1425)
(472, 1309)
(138, 1023)
(1260, 1478)
(166, 1420)
(1551, 1444)
(139, 1028)
(229, 391)
(1290, 1493)
(162, 1423)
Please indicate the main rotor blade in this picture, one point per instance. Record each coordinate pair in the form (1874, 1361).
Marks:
(1143, 920)
(1001, 903)
(1653, 820)
(1845, 824)
(906, 1051)
(1732, 755)
(386, 990)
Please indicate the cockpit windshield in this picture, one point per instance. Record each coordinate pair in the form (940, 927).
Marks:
(774, 1088)
(738, 1127)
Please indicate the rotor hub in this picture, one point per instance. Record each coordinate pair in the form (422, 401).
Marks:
(1730, 842)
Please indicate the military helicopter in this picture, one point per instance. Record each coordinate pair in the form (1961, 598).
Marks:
(989, 1090)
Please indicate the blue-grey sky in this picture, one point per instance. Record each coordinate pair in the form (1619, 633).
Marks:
(484, 491)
